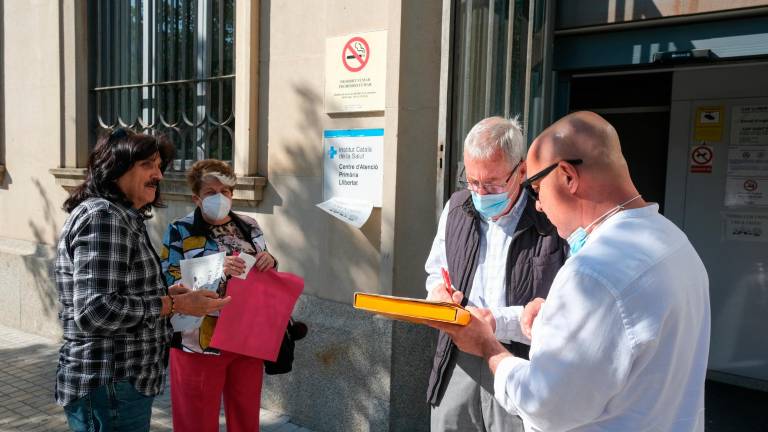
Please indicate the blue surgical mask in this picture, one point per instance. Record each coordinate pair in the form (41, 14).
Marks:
(576, 240)
(216, 207)
(490, 205)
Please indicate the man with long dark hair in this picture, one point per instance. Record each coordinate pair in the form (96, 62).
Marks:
(115, 303)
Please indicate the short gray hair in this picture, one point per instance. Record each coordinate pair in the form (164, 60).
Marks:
(494, 134)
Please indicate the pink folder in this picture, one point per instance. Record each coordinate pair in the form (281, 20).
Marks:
(254, 322)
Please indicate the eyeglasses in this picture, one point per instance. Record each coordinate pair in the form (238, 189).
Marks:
(476, 186)
(532, 190)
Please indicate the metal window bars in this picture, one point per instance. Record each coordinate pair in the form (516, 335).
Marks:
(167, 66)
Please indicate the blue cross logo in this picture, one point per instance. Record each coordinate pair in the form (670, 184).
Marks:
(332, 152)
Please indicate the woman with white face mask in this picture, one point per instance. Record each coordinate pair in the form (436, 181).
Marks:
(200, 374)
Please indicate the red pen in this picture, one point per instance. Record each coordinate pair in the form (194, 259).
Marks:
(446, 279)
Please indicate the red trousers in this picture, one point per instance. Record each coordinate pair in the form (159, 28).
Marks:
(197, 383)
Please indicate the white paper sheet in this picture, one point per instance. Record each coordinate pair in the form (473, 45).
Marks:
(198, 273)
(352, 212)
(752, 227)
(250, 260)
(746, 192)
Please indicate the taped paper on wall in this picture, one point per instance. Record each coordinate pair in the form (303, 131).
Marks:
(746, 192)
(353, 212)
(745, 227)
(749, 125)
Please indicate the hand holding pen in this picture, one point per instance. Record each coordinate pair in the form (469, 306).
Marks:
(445, 292)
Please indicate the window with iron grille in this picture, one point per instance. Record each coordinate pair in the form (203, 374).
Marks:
(167, 66)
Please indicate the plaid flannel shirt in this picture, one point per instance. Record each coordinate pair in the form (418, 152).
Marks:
(110, 286)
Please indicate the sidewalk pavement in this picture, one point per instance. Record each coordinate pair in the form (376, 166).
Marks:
(27, 376)
(28, 370)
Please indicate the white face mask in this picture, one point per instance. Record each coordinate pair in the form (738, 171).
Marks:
(216, 207)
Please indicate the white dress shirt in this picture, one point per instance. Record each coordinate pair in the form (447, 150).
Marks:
(621, 342)
(488, 289)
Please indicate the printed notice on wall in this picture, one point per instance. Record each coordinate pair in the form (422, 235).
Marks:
(748, 161)
(355, 72)
(745, 227)
(747, 181)
(352, 173)
(746, 191)
(749, 125)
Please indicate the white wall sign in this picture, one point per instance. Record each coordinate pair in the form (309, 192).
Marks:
(747, 181)
(352, 173)
(355, 72)
(749, 125)
(745, 226)
(746, 191)
(748, 161)
(352, 164)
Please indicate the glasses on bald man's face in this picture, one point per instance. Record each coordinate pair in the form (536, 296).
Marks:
(533, 189)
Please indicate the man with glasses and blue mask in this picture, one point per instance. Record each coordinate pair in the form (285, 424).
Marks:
(500, 254)
(621, 342)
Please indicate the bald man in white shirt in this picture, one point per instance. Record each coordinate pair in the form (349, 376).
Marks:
(622, 341)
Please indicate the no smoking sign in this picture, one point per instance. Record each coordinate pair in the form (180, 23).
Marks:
(355, 54)
(750, 185)
(355, 72)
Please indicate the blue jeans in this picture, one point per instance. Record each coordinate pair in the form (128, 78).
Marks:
(113, 407)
